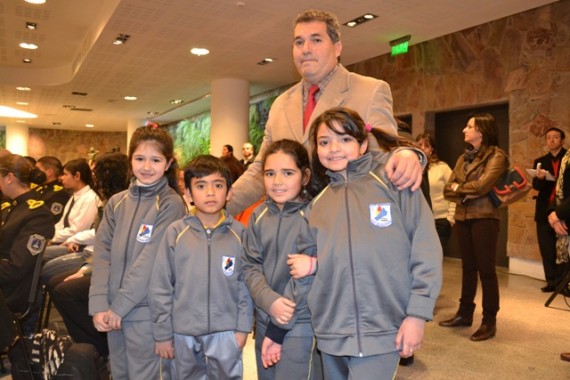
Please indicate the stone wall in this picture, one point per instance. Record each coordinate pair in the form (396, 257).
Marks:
(68, 145)
(523, 59)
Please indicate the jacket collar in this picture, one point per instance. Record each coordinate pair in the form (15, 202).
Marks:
(147, 191)
(288, 208)
(355, 169)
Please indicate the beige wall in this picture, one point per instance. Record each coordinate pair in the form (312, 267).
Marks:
(68, 145)
(523, 59)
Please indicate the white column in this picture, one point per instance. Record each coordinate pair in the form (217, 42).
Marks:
(132, 125)
(230, 115)
(17, 137)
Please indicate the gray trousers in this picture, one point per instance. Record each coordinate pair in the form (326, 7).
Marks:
(299, 356)
(375, 367)
(206, 357)
(131, 353)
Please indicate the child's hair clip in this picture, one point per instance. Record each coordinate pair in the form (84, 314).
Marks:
(152, 125)
(368, 127)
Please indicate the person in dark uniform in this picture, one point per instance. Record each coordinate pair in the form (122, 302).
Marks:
(550, 163)
(51, 190)
(24, 233)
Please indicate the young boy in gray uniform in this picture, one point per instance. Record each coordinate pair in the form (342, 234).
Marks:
(199, 303)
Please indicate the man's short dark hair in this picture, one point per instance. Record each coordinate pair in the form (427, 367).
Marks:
(562, 134)
(310, 15)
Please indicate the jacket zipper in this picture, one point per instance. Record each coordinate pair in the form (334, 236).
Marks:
(129, 240)
(209, 238)
(270, 282)
(358, 338)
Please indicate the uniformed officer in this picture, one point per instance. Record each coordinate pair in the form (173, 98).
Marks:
(24, 233)
(51, 190)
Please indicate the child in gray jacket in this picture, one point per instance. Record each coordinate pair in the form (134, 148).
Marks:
(200, 306)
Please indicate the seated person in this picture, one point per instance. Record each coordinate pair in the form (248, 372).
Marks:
(25, 232)
(79, 212)
(51, 190)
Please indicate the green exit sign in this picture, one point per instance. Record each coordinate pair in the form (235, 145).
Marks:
(401, 48)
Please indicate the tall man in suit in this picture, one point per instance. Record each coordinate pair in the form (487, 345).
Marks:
(550, 162)
(316, 53)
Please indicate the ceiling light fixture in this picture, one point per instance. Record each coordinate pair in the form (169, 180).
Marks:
(27, 60)
(26, 45)
(22, 103)
(6, 111)
(152, 113)
(22, 88)
(199, 51)
(265, 61)
(31, 25)
(89, 125)
(176, 101)
(35, 1)
(121, 39)
(360, 20)
(130, 97)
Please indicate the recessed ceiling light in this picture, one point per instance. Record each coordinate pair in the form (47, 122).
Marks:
(26, 45)
(20, 121)
(23, 88)
(360, 20)
(31, 25)
(176, 101)
(199, 51)
(27, 60)
(89, 125)
(22, 103)
(152, 113)
(265, 61)
(130, 98)
(56, 123)
(121, 39)
(35, 1)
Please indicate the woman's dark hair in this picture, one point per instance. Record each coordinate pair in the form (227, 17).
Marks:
(296, 151)
(427, 137)
(162, 140)
(18, 166)
(52, 162)
(485, 124)
(80, 165)
(111, 174)
(344, 121)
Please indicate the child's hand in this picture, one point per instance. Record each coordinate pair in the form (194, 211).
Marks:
(282, 310)
(270, 352)
(114, 320)
(301, 265)
(404, 170)
(410, 336)
(74, 276)
(164, 349)
(241, 339)
(101, 321)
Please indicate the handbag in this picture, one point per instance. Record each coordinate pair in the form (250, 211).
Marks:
(510, 187)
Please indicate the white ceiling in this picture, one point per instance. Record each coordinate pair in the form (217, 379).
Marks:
(76, 53)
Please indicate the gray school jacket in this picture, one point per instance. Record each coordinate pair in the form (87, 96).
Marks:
(271, 236)
(126, 243)
(379, 260)
(197, 283)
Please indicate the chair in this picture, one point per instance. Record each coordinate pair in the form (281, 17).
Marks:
(12, 340)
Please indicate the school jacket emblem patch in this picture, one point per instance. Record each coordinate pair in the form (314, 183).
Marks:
(145, 233)
(228, 265)
(380, 214)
